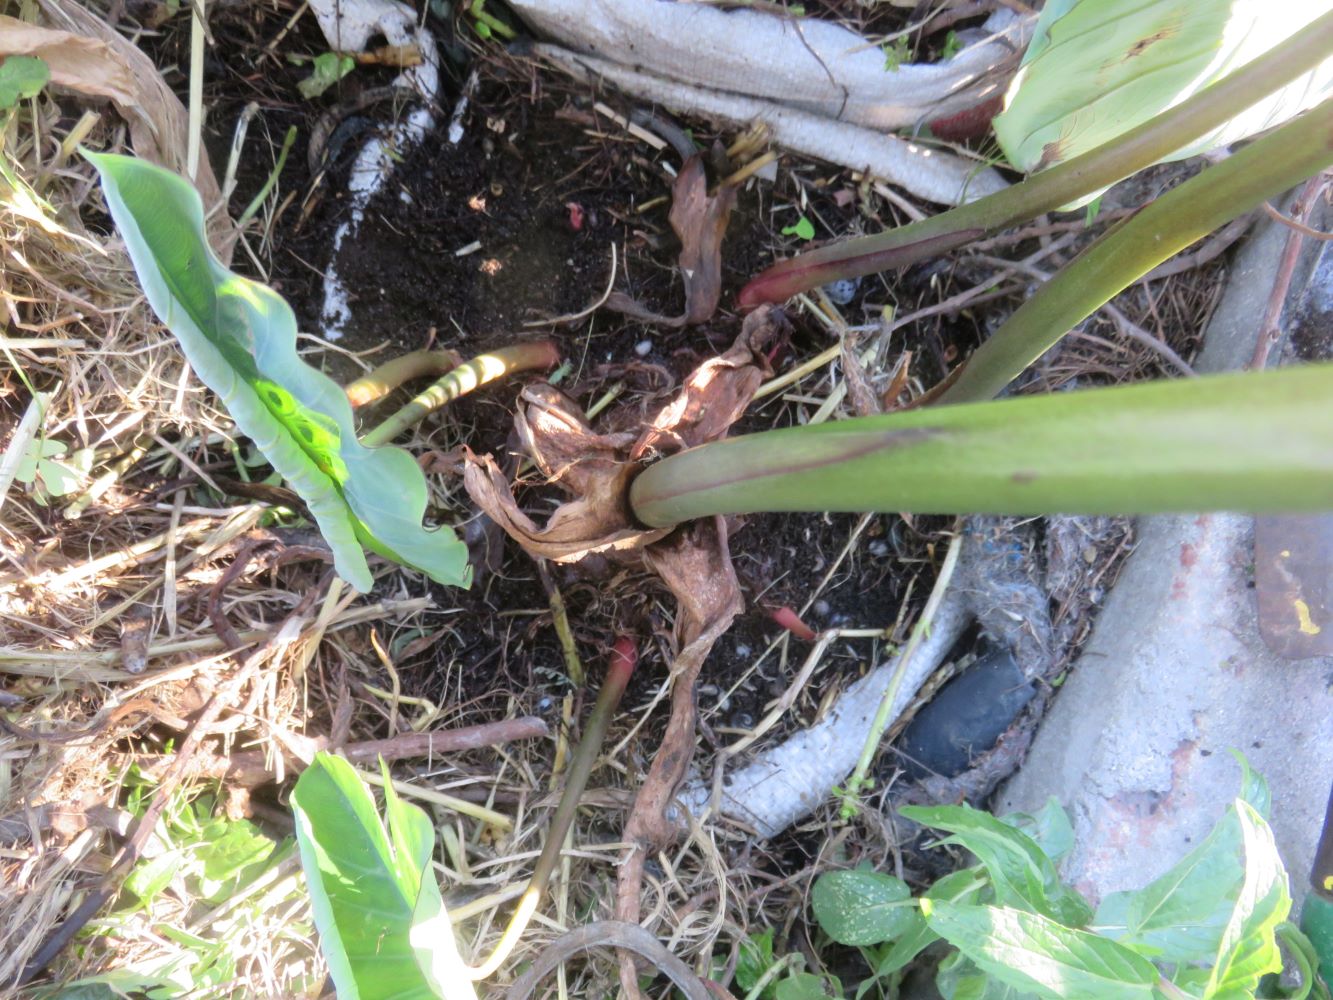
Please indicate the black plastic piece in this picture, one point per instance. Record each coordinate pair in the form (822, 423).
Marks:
(966, 718)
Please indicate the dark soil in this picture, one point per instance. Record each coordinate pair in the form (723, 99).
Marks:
(515, 223)
(545, 186)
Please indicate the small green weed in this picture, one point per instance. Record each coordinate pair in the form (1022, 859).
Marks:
(326, 70)
(1210, 927)
(762, 976)
(50, 470)
(209, 890)
(802, 228)
(21, 77)
(896, 53)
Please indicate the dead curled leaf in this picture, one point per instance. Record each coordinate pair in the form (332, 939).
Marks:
(593, 467)
(81, 64)
(596, 469)
(693, 560)
(700, 221)
(695, 564)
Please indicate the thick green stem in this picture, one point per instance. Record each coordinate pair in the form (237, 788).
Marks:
(1258, 442)
(1049, 190)
(623, 659)
(470, 375)
(383, 380)
(1168, 225)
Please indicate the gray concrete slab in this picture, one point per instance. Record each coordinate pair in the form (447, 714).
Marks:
(1175, 673)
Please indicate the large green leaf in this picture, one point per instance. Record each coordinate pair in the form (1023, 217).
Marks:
(1049, 827)
(370, 889)
(958, 978)
(1249, 949)
(240, 338)
(1182, 915)
(1037, 955)
(1095, 70)
(1020, 871)
(862, 907)
(1259, 441)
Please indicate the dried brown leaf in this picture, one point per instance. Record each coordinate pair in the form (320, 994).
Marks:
(692, 560)
(81, 64)
(700, 221)
(717, 393)
(695, 564)
(593, 467)
(596, 469)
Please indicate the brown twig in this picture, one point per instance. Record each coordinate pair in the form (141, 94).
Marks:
(624, 657)
(136, 706)
(609, 934)
(289, 553)
(251, 768)
(1300, 227)
(1291, 252)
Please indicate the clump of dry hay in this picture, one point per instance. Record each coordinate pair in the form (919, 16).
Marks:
(75, 571)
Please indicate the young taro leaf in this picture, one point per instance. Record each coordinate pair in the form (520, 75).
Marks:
(365, 883)
(1020, 871)
(432, 934)
(1150, 57)
(240, 338)
(862, 907)
(1037, 955)
(432, 938)
(1249, 949)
